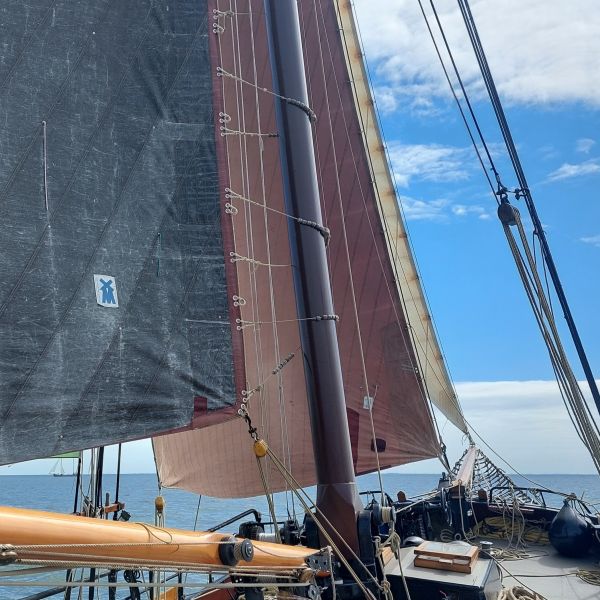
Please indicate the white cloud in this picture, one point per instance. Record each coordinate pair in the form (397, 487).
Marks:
(386, 100)
(429, 162)
(423, 210)
(594, 240)
(526, 422)
(584, 145)
(540, 52)
(439, 210)
(568, 170)
(462, 210)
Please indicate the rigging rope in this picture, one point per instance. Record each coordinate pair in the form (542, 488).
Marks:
(456, 99)
(293, 101)
(324, 231)
(575, 403)
(573, 398)
(336, 170)
(399, 244)
(524, 192)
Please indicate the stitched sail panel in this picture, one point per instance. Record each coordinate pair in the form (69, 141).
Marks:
(114, 300)
(219, 461)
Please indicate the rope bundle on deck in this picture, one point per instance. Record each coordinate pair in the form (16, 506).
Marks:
(519, 593)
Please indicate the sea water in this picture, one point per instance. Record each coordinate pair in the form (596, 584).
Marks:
(188, 511)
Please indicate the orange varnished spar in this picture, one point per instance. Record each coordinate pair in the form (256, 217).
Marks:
(107, 541)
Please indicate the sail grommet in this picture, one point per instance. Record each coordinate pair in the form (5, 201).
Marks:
(232, 551)
(260, 448)
(8, 554)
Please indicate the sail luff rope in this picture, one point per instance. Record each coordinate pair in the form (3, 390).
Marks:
(264, 395)
(238, 80)
(393, 244)
(283, 424)
(370, 402)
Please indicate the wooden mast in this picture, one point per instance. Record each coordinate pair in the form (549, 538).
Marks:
(337, 496)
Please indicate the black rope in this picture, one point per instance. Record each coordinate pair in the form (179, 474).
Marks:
(117, 483)
(524, 192)
(78, 483)
(466, 97)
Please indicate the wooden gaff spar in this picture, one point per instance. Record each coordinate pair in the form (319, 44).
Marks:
(38, 535)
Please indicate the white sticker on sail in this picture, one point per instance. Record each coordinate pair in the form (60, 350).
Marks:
(106, 291)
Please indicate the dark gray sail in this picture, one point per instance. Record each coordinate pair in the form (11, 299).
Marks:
(114, 312)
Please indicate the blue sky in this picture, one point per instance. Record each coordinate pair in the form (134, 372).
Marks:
(545, 57)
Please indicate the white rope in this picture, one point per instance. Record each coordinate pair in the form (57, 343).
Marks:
(393, 244)
(397, 250)
(570, 391)
(311, 115)
(235, 257)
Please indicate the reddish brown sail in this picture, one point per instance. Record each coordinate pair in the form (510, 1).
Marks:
(390, 359)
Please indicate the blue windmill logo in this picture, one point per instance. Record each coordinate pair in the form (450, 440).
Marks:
(106, 291)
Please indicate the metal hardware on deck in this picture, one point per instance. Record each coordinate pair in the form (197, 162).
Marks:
(251, 511)
(232, 551)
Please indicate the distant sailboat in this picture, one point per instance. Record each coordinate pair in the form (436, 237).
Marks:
(58, 468)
